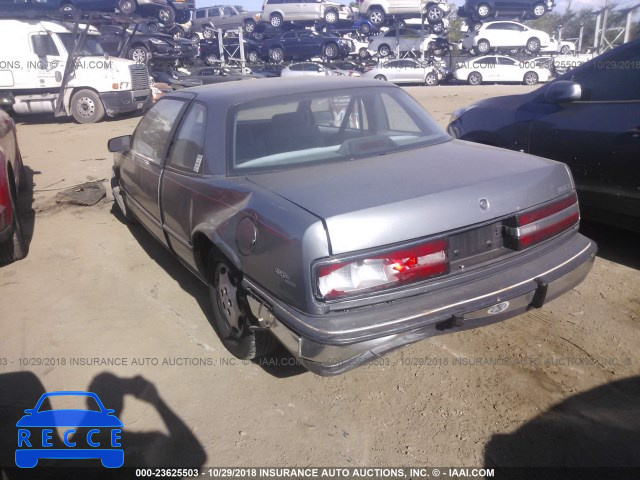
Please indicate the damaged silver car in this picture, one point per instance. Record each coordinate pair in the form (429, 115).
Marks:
(335, 217)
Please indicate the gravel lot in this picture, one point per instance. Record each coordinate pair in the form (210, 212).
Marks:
(100, 306)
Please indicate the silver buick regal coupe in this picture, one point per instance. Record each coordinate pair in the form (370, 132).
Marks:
(335, 217)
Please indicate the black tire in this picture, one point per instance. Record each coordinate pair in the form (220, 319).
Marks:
(153, 27)
(376, 16)
(483, 10)
(208, 33)
(120, 200)
(127, 7)
(139, 54)
(179, 32)
(15, 247)
(276, 20)
(384, 50)
(166, 15)
(533, 45)
(212, 59)
(363, 53)
(194, 36)
(330, 51)
(538, 10)
(434, 14)
(483, 46)
(258, 36)
(364, 29)
(252, 56)
(86, 107)
(474, 78)
(380, 77)
(183, 16)
(431, 79)
(232, 317)
(565, 50)
(276, 54)
(331, 17)
(530, 78)
(68, 10)
(249, 26)
(436, 27)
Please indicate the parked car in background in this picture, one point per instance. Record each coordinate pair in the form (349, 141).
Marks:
(268, 69)
(173, 78)
(505, 35)
(410, 41)
(12, 179)
(160, 9)
(498, 68)
(379, 11)
(526, 9)
(563, 47)
(306, 69)
(209, 75)
(278, 11)
(182, 9)
(364, 26)
(142, 47)
(406, 70)
(304, 44)
(348, 65)
(348, 72)
(587, 118)
(225, 17)
(268, 190)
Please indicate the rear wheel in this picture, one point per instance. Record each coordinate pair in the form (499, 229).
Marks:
(249, 26)
(376, 16)
(253, 56)
(483, 46)
(139, 54)
(381, 77)
(212, 59)
(483, 10)
(363, 53)
(330, 50)
(331, 17)
(539, 10)
(565, 50)
(436, 27)
(431, 79)
(15, 247)
(474, 78)
(86, 107)
(530, 78)
(276, 54)
(384, 50)
(434, 13)
(68, 10)
(364, 28)
(127, 7)
(121, 200)
(166, 15)
(276, 20)
(533, 45)
(208, 33)
(232, 316)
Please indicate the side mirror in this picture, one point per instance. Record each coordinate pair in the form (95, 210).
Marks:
(563, 91)
(120, 144)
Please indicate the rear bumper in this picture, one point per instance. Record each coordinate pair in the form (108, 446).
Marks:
(116, 103)
(334, 343)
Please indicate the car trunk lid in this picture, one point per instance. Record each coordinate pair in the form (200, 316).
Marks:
(383, 200)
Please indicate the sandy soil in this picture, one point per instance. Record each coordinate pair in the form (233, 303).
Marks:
(92, 287)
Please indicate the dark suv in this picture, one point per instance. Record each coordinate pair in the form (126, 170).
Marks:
(304, 44)
(480, 10)
(588, 118)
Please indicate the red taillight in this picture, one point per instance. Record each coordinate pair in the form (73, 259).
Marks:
(5, 198)
(373, 272)
(537, 225)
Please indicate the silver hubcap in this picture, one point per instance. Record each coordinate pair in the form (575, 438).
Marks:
(363, 52)
(275, 21)
(483, 10)
(126, 7)
(250, 27)
(482, 47)
(86, 107)
(330, 17)
(539, 11)
(475, 78)
(164, 14)
(330, 51)
(384, 50)
(253, 57)
(211, 59)
(228, 301)
(376, 17)
(139, 55)
(533, 45)
(530, 79)
(430, 80)
(434, 13)
(276, 55)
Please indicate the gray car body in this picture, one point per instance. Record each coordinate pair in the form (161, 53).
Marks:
(312, 212)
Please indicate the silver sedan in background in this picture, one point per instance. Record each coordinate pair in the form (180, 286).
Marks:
(406, 70)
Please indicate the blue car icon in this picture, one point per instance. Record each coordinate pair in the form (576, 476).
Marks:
(36, 444)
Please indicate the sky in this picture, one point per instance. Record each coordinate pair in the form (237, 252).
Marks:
(561, 5)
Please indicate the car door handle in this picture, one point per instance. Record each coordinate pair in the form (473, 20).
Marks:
(634, 132)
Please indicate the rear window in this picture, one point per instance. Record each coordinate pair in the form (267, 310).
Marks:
(325, 127)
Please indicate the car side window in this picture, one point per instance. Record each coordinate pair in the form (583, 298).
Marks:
(505, 61)
(213, 12)
(229, 11)
(201, 13)
(44, 43)
(397, 116)
(614, 79)
(152, 134)
(288, 35)
(187, 150)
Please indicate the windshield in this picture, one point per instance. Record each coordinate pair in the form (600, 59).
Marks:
(91, 44)
(330, 126)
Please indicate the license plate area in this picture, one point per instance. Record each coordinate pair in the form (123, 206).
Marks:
(476, 246)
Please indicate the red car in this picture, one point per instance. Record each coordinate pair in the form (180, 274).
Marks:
(12, 243)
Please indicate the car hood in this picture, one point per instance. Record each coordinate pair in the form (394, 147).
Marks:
(366, 203)
(69, 418)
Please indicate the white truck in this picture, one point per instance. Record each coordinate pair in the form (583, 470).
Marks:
(33, 57)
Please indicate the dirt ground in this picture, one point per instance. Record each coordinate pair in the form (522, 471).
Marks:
(99, 306)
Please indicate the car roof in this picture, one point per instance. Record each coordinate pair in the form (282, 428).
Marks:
(232, 93)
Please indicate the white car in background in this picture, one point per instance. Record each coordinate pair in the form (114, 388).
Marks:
(563, 47)
(311, 69)
(498, 68)
(406, 70)
(505, 35)
(410, 41)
